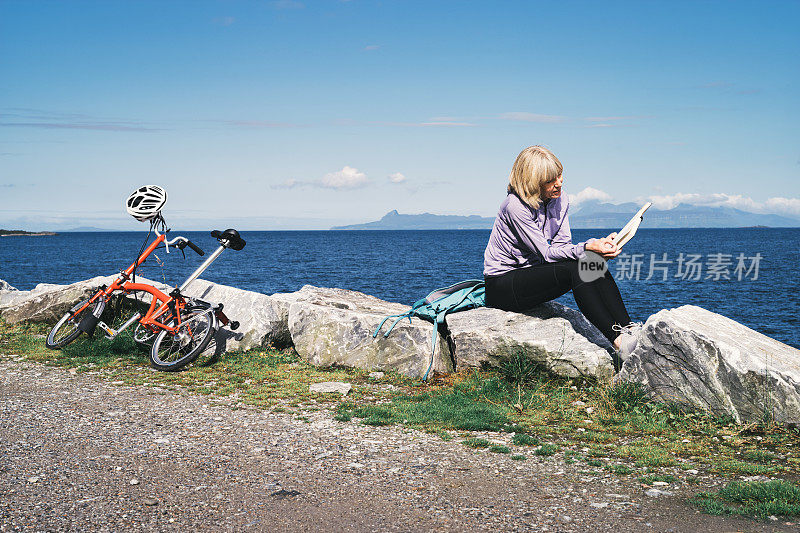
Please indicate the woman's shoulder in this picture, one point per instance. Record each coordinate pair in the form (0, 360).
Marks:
(514, 207)
(514, 203)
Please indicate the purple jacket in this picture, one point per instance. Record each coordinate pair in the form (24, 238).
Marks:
(523, 236)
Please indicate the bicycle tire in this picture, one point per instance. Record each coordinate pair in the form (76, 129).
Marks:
(173, 351)
(66, 329)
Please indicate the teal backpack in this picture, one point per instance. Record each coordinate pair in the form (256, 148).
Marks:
(437, 305)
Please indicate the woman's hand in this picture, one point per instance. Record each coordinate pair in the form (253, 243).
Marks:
(604, 247)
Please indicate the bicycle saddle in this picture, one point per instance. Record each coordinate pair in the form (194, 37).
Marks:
(229, 239)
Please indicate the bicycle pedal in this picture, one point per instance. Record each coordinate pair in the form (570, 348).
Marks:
(234, 325)
(109, 332)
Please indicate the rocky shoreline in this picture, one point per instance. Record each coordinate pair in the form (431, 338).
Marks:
(20, 233)
(686, 355)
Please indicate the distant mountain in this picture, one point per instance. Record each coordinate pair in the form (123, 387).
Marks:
(604, 215)
(89, 228)
(394, 220)
(591, 215)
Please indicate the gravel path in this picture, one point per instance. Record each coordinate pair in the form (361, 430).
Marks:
(77, 453)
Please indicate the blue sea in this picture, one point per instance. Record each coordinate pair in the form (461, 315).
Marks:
(750, 275)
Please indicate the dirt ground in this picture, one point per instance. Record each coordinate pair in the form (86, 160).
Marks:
(77, 453)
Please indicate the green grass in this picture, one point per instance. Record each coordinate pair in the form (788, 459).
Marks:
(457, 408)
(522, 439)
(644, 455)
(759, 456)
(546, 450)
(622, 470)
(518, 458)
(475, 443)
(756, 499)
(734, 466)
(499, 449)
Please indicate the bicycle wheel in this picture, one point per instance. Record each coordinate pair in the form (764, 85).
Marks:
(173, 350)
(66, 330)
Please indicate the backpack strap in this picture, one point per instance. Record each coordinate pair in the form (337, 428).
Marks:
(399, 317)
(436, 323)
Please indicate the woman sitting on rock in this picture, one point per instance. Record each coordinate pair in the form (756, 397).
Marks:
(530, 258)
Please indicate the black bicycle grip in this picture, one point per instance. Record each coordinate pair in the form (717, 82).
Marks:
(194, 247)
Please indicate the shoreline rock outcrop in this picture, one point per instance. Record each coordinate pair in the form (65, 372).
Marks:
(698, 358)
(687, 355)
(334, 327)
(563, 341)
(47, 302)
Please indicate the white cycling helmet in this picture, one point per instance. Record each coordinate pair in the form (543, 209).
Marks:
(146, 202)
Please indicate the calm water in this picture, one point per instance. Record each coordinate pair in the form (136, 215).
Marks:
(403, 266)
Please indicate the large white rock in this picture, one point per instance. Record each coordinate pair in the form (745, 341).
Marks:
(334, 327)
(47, 302)
(695, 357)
(568, 345)
(259, 325)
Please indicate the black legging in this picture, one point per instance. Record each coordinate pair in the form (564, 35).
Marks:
(524, 288)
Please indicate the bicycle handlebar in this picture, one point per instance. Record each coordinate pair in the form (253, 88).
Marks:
(194, 247)
(183, 242)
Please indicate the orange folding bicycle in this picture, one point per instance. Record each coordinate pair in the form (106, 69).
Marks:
(180, 328)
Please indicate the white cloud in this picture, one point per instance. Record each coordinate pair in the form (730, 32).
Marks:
(523, 116)
(347, 178)
(397, 178)
(290, 183)
(775, 205)
(789, 206)
(589, 193)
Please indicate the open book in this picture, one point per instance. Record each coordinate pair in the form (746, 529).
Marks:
(627, 233)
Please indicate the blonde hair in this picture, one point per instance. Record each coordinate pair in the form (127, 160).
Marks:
(535, 166)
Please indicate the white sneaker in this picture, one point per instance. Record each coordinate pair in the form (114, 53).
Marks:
(628, 339)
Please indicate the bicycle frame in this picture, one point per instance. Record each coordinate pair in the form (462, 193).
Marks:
(161, 304)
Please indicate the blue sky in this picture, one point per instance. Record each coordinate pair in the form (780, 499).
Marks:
(312, 113)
